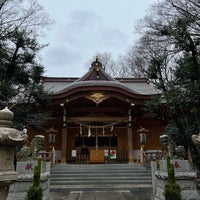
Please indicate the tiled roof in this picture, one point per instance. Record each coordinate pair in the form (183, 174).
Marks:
(96, 76)
(58, 85)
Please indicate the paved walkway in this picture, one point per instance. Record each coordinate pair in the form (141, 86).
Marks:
(101, 195)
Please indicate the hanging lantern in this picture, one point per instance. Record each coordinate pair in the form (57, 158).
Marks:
(143, 138)
(64, 117)
(52, 138)
(52, 135)
(81, 130)
(111, 128)
(129, 118)
(103, 131)
(142, 134)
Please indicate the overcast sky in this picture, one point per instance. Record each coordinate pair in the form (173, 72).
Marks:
(84, 27)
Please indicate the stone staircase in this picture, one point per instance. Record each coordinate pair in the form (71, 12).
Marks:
(100, 177)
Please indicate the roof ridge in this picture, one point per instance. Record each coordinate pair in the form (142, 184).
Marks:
(96, 72)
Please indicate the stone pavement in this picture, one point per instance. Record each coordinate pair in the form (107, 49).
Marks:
(102, 195)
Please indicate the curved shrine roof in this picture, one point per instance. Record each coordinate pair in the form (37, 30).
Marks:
(97, 79)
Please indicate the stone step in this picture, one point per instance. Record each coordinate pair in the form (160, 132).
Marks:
(115, 178)
(98, 173)
(98, 170)
(105, 180)
(96, 166)
(100, 187)
(98, 177)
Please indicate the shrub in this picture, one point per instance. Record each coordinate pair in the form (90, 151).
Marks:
(34, 193)
(172, 192)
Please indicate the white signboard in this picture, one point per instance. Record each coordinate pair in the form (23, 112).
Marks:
(106, 153)
(73, 153)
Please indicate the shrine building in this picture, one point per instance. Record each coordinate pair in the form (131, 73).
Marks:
(97, 118)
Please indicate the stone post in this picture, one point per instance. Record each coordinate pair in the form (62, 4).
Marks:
(9, 139)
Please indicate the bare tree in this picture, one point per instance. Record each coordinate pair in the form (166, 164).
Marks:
(170, 29)
(22, 14)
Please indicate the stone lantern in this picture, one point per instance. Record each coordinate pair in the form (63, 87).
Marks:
(9, 139)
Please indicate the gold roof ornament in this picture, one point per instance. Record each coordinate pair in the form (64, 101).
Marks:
(97, 64)
(97, 97)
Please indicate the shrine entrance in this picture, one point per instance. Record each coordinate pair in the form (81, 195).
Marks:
(99, 144)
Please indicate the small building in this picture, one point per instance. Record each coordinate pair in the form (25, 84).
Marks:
(96, 118)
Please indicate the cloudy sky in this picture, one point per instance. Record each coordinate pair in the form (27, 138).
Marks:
(84, 27)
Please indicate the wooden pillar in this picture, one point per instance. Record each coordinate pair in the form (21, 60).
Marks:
(130, 145)
(130, 137)
(64, 145)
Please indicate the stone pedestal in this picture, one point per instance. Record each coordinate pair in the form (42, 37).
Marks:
(179, 165)
(6, 179)
(18, 190)
(185, 178)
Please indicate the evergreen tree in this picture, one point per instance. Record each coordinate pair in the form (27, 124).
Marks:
(21, 86)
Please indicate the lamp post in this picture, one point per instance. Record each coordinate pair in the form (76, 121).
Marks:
(52, 140)
(143, 138)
